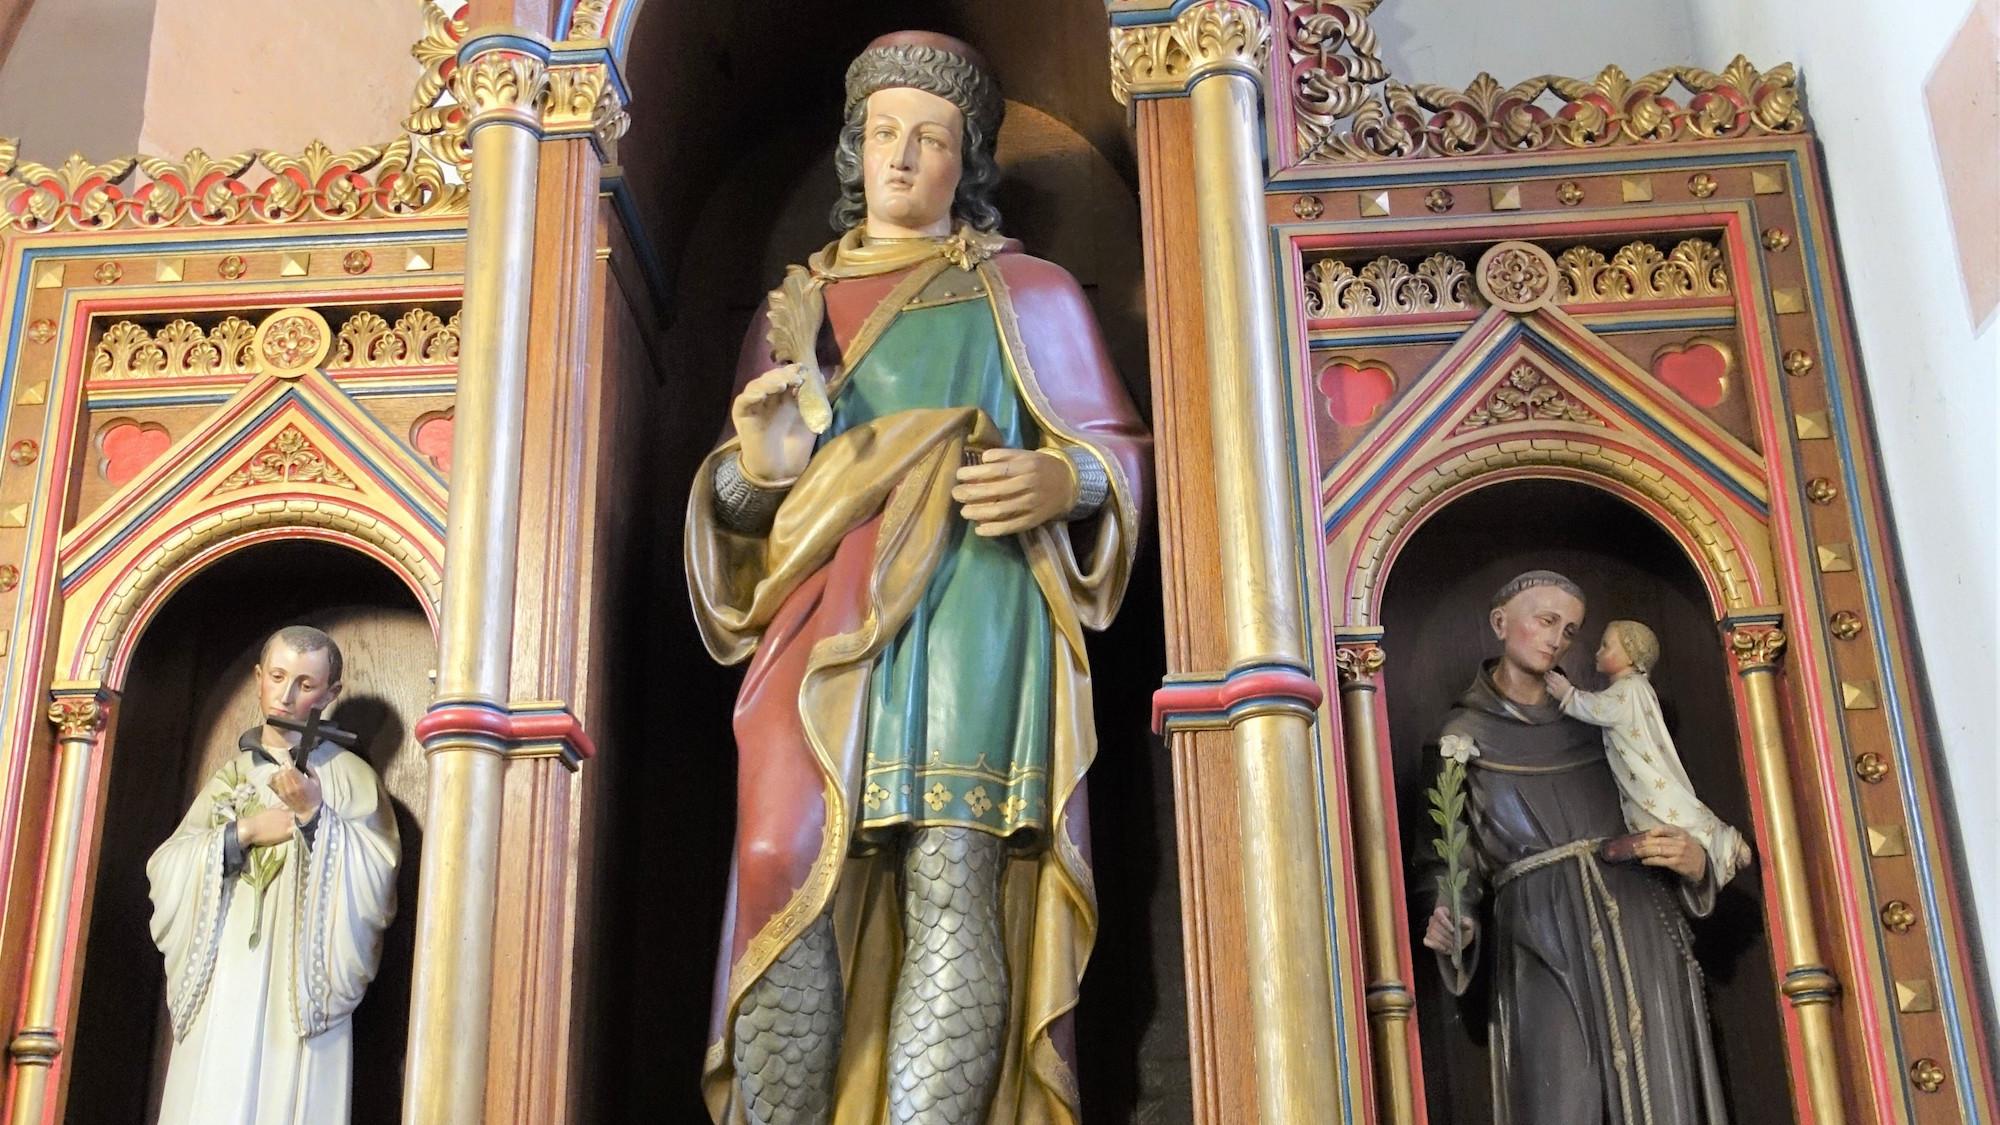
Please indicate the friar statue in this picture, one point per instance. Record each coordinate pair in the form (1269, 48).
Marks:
(1598, 1014)
(911, 523)
(269, 903)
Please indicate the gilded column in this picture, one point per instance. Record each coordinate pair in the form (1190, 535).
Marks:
(502, 86)
(79, 713)
(1757, 643)
(1214, 51)
(1358, 660)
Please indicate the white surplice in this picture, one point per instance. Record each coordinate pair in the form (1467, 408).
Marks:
(263, 1035)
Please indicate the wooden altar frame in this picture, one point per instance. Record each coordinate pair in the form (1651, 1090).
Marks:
(1881, 1011)
(78, 252)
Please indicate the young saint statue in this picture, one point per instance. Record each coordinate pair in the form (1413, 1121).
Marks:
(908, 553)
(1598, 1013)
(269, 903)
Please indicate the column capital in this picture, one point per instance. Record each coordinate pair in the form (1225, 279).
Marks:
(584, 99)
(1203, 38)
(1756, 640)
(79, 711)
(501, 78)
(1357, 660)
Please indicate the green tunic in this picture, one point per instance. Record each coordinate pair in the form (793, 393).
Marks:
(958, 715)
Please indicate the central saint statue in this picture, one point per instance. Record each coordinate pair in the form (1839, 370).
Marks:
(933, 486)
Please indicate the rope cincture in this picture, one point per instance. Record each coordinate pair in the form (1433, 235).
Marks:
(1628, 1035)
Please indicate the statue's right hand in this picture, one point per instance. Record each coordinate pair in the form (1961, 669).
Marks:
(271, 826)
(776, 443)
(1437, 935)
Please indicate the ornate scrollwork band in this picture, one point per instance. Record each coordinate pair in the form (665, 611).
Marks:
(1150, 60)
(1347, 109)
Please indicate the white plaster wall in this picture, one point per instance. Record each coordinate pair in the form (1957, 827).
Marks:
(1931, 372)
(76, 79)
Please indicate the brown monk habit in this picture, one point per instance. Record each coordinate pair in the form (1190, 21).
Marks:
(1598, 1016)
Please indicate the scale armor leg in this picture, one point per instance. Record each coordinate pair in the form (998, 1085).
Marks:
(948, 1026)
(787, 1034)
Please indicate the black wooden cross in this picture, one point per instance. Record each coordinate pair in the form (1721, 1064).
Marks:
(311, 733)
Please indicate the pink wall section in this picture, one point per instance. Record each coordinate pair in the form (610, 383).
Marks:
(229, 75)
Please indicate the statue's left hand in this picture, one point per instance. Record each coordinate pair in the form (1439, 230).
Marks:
(1675, 850)
(1014, 490)
(299, 793)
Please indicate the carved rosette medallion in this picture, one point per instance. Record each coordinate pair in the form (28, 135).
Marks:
(1897, 916)
(1358, 663)
(77, 717)
(1757, 648)
(1166, 58)
(1844, 625)
(292, 342)
(1517, 276)
(1927, 1076)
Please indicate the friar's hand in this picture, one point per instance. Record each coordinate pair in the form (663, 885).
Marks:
(260, 829)
(299, 793)
(776, 443)
(1013, 490)
(1437, 935)
(1675, 850)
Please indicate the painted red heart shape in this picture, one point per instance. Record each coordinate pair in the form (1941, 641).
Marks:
(432, 437)
(1354, 391)
(1698, 370)
(128, 447)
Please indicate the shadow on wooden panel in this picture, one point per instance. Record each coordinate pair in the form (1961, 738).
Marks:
(188, 697)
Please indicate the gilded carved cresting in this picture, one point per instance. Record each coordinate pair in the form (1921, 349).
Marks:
(1638, 271)
(1333, 66)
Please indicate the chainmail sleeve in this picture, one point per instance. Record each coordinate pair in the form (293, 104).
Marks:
(741, 505)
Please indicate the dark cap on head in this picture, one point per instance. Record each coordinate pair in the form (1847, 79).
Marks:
(936, 64)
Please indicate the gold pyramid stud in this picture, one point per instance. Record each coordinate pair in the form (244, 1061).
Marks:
(417, 259)
(1788, 300)
(35, 394)
(1886, 841)
(1766, 182)
(14, 516)
(1811, 425)
(49, 276)
(1835, 557)
(1858, 695)
(1915, 996)
(294, 264)
(1505, 197)
(1636, 189)
(169, 269)
(1374, 204)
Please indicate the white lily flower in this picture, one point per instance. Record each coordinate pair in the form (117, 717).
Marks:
(1458, 748)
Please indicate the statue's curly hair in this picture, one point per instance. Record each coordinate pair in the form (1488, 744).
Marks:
(949, 76)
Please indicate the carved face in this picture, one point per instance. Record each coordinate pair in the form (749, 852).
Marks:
(910, 161)
(1611, 656)
(291, 683)
(1536, 627)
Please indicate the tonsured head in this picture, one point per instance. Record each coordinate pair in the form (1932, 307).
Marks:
(1535, 616)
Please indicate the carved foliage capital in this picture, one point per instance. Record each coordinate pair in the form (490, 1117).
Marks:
(1756, 647)
(583, 100)
(501, 85)
(78, 716)
(1166, 58)
(1358, 662)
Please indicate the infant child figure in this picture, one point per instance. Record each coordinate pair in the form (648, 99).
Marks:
(1653, 788)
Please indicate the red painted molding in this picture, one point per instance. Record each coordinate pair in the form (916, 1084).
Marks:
(1219, 696)
(506, 726)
